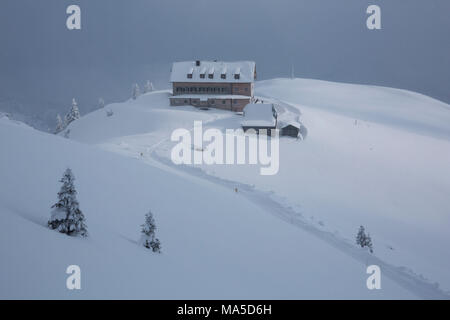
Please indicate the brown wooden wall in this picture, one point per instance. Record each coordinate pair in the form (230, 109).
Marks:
(226, 104)
(244, 89)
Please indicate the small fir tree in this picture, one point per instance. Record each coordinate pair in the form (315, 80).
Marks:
(364, 240)
(148, 238)
(73, 114)
(66, 216)
(361, 237)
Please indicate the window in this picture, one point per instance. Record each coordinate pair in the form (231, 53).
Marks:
(211, 75)
(212, 101)
(223, 75)
(223, 101)
(246, 89)
(237, 76)
(202, 76)
(185, 101)
(235, 101)
(189, 75)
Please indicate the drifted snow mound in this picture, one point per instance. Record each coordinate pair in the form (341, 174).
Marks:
(406, 109)
(148, 113)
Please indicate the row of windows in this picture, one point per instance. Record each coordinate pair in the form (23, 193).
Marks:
(194, 101)
(207, 89)
(237, 76)
(201, 89)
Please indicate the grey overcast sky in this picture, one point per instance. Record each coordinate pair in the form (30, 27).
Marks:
(43, 65)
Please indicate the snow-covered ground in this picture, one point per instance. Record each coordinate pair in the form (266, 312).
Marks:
(373, 156)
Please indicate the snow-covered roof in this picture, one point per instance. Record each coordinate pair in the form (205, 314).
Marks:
(285, 123)
(259, 115)
(245, 69)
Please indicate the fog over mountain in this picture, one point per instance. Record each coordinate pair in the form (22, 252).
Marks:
(43, 64)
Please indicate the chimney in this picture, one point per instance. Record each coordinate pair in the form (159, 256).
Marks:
(197, 63)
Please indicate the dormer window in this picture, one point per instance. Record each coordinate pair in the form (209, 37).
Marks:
(223, 74)
(211, 73)
(203, 73)
(237, 73)
(190, 72)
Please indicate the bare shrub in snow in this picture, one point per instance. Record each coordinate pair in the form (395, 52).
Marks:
(148, 87)
(148, 238)
(364, 240)
(59, 124)
(66, 216)
(109, 113)
(101, 103)
(136, 92)
(67, 134)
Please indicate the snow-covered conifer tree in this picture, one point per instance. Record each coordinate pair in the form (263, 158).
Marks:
(59, 124)
(148, 87)
(148, 238)
(66, 216)
(73, 114)
(361, 237)
(136, 92)
(364, 240)
(101, 103)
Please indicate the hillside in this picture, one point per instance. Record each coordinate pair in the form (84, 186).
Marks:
(286, 236)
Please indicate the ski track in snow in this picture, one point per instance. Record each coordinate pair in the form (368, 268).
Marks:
(405, 277)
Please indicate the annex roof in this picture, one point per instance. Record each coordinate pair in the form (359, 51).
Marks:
(259, 115)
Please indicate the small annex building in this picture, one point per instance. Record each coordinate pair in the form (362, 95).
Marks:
(289, 128)
(259, 116)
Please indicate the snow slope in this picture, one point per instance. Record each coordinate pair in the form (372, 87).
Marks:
(347, 172)
(403, 109)
(263, 242)
(216, 244)
(388, 171)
